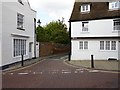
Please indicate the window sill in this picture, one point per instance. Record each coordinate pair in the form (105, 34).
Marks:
(114, 9)
(108, 50)
(84, 49)
(86, 12)
(15, 57)
(21, 29)
(115, 31)
(84, 32)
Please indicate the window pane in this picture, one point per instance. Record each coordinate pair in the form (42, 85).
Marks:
(24, 47)
(113, 45)
(113, 5)
(117, 24)
(84, 26)
(116, 4)
(14, 45)
(85, 45)
(19, 47)
(81, 45)
(101, 45)
(20, 20)
(85, 8)
(107, 45)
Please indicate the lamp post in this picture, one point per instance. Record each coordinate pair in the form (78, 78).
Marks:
(39, 22)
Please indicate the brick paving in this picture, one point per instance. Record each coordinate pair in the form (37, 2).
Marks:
(54, 73)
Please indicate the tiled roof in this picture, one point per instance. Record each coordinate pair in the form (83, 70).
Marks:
(98, 10)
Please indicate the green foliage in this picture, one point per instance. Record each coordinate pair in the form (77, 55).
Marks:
(41, 34)
(55, 31)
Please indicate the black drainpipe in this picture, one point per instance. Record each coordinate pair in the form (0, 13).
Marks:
(70, 40)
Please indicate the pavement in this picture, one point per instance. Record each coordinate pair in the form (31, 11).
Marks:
(112, 65)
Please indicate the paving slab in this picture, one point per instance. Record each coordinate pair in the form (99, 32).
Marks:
(98, 64)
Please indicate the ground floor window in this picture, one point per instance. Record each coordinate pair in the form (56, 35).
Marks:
(83, 45)
(101, 45)
(108, 45)
(19, 47)
(113, 45)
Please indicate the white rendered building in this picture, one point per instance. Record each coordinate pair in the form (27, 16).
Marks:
(95, 30)
(17, 31)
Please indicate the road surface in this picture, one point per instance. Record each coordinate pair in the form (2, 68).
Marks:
(55, 73)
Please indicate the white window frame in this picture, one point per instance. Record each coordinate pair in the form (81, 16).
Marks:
(85, 26)
(113, 45)
(85, 8)
(83, 45)
(108, 45)
(116, 25)
(102, 45)
(114, 5)
(19, 47)
(20, 21)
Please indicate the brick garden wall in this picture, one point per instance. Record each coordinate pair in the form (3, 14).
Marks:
(47, 49)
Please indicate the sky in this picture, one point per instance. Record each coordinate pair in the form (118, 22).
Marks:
(52, 10)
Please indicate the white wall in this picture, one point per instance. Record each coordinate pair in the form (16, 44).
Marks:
(0, 44)
(96, 28)
(0, 32)
(37, 49)
(119, 50)
(10, 10)
(93, 46)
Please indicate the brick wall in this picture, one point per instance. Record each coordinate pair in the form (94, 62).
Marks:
(47, 48)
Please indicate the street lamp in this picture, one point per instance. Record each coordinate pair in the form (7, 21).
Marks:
(39, 22)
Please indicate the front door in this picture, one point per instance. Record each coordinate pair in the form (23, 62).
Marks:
(30, 50)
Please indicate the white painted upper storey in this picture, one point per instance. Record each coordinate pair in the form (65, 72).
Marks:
(96, 28)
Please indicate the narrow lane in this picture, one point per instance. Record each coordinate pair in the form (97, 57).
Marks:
(54, 73)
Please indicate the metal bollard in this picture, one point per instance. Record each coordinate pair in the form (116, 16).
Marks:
(92, 61)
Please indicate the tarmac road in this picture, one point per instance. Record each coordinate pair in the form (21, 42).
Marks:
(55, 73)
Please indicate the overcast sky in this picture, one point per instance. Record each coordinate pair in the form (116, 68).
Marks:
(49, 10)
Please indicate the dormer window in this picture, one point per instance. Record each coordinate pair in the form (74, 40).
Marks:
(114, 5)
(85, 8)
(20, 1)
